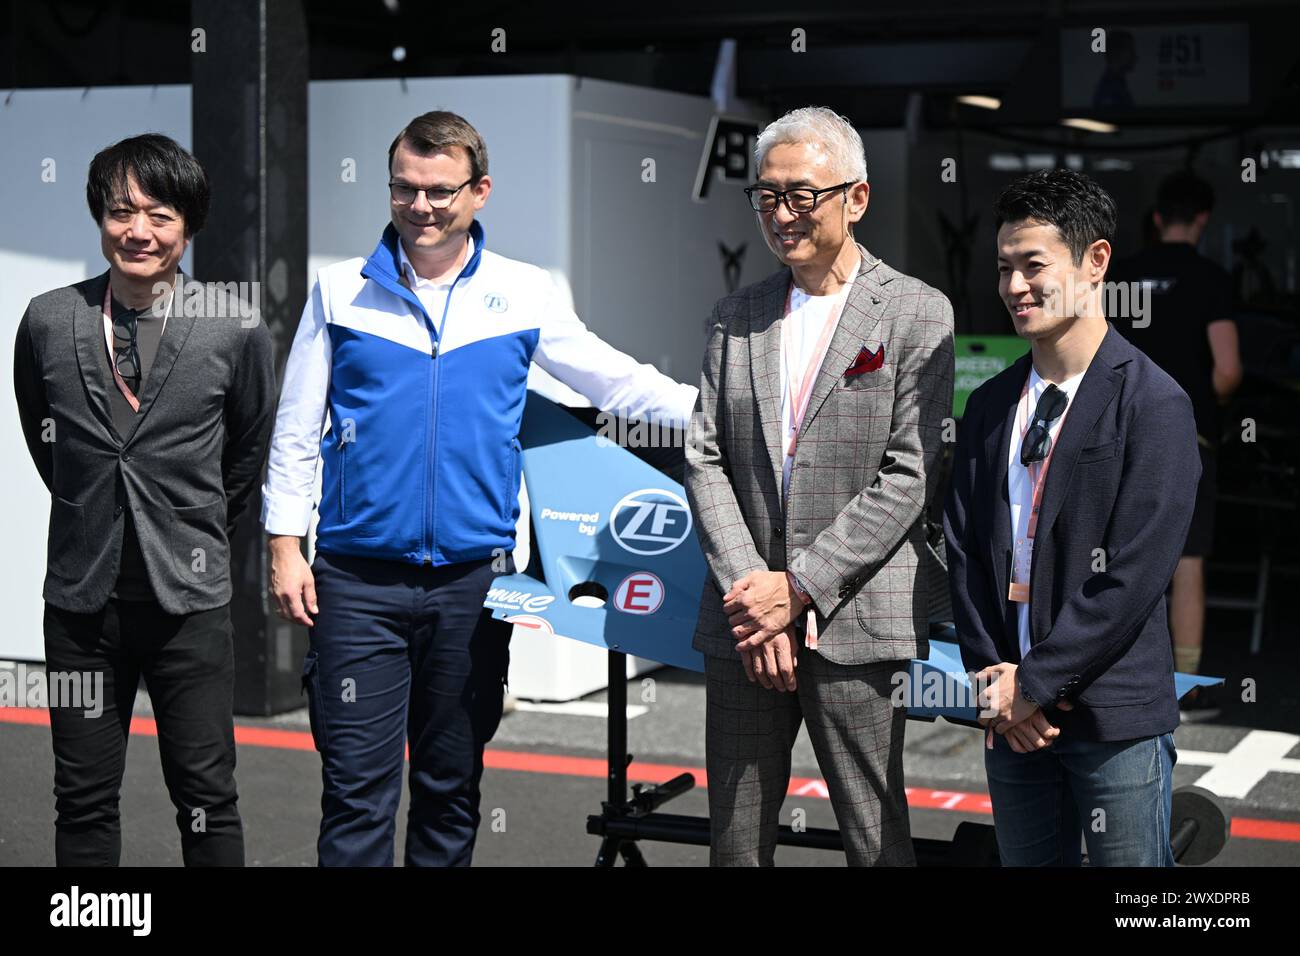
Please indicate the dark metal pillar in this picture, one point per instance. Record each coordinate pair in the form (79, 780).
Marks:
(249, 108)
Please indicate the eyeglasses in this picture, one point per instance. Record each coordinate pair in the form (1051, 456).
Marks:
(1038, 440)
(437, 197)
(762, 199)
(126, 353)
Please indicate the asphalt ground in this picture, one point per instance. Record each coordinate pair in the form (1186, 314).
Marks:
(546, 774)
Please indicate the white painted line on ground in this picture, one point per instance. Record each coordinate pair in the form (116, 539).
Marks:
(578, 708)
(1234, 773)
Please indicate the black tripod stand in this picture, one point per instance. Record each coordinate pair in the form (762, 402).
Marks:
(624, 820)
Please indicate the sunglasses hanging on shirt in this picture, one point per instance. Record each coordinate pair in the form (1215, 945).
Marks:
(1038, 440)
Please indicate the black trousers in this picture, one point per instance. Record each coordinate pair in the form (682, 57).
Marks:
(187, 662)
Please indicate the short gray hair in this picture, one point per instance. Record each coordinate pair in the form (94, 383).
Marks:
(821, 126)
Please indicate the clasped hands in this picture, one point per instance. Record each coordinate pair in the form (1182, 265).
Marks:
(761, 608)
(1024, 725)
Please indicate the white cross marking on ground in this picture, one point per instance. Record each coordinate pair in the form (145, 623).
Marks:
(1234, 773)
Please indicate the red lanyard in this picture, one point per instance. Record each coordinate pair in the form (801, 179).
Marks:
(801, 392)
(1037, 481)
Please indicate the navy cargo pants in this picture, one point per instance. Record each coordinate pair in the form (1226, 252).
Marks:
(402, 653)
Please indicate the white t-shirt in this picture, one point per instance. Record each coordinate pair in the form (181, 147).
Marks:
(801, 330)
(1020, 490)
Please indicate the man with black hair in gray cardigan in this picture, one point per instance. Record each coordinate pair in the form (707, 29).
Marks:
(147, 410)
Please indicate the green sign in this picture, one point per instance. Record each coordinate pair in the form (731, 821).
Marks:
(979, 358)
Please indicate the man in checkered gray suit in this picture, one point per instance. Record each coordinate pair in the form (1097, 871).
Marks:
(814, 453)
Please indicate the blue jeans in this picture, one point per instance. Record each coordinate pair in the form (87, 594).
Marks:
(402, 655)
(1116, 794)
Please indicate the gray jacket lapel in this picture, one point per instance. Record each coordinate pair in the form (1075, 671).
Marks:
(1099, 386)
(175, 333)
(997, 449)
(765, 363)
(88, 335)
(858, 325)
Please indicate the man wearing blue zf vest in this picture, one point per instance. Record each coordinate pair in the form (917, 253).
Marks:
(420, 354)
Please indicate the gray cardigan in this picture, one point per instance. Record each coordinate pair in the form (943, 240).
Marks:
(187, 467)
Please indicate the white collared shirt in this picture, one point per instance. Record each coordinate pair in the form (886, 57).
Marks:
(432, 295)
(1020, 490)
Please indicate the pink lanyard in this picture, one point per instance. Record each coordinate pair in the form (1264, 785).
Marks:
(800, 393)
(108, 340)
(1037, 481)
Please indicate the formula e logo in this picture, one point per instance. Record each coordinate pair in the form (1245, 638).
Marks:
(507, 600)
(650, 521)
(640, 593)
(496, 303)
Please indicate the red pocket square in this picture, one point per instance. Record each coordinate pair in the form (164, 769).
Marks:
(866, 361)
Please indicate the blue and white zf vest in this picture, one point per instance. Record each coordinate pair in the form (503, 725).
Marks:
(421, 458)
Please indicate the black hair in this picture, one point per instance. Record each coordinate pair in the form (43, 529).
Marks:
(1182, 196)
(1080, 210)
(164, 171)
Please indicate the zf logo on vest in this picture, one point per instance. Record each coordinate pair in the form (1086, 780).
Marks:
(650, 521)
(496, 303)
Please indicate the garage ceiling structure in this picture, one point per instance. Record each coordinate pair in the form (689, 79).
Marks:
(868, 59)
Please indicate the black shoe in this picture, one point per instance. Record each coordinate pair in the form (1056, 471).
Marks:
(1200, 704)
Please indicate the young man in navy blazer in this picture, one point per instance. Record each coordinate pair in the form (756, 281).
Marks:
(1072, 492)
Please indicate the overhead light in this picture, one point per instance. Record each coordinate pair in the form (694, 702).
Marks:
(1005, 162)
(1285, 158)
(1091, 125)
(983, 102)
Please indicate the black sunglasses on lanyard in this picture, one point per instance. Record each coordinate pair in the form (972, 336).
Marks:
(1038, 440)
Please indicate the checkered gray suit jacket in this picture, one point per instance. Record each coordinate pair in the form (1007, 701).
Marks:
(865, 469)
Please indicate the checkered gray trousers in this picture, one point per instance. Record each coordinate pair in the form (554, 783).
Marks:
(856, 734)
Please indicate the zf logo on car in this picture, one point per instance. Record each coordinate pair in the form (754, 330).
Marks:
(650, 521)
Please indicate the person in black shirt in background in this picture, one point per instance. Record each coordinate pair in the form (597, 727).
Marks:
(1190, 333)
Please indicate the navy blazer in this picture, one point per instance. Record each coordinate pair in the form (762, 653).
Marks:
(1115, 512)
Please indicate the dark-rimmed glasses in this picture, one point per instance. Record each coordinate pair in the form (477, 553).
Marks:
(803, 199)
(439, 198)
